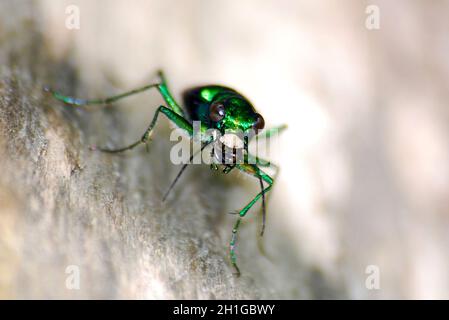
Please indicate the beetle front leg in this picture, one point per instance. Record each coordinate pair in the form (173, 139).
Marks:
(255, 171)
(232, 246)
(268, 133)
(261, 176)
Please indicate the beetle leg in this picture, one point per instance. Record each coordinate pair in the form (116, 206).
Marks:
(161, 86)
(255, 171)
(268, 133)
(177, 119)
(251, 159)
(232, 246)
(228, 168)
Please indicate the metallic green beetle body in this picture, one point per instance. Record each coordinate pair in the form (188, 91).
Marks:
(240, 114)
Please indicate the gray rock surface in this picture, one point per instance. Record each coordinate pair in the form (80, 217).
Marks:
(63, 206)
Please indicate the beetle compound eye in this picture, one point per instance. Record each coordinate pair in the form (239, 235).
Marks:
(259, 124)
(217, 111)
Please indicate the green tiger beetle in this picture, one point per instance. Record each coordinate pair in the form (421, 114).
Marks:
(216, 107)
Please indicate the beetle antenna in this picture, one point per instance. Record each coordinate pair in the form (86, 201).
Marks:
(174, 181)
(182, 171)
(264, 212)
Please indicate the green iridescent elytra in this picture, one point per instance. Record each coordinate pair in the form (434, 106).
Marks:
(239, 114)
(217, 107)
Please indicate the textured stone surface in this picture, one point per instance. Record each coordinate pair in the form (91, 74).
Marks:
(364, 163)
(63, 205)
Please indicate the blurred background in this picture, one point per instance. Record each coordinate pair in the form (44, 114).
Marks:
(362, 86)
